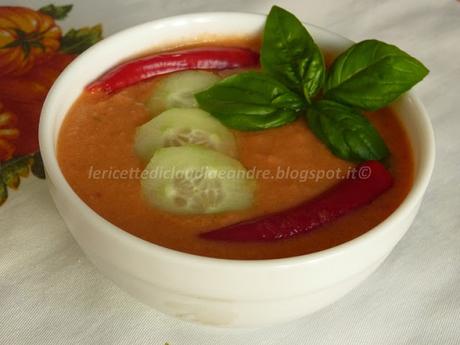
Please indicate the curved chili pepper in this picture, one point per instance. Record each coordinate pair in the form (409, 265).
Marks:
(134, 71)
(370, 181)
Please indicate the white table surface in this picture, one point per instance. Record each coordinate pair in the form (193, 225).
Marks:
(51, 294)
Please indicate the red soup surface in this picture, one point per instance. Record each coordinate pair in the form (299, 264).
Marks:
(96, 155)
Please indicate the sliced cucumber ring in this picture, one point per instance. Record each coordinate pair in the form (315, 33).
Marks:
(183, 126)
(196, 180)
(178, 90)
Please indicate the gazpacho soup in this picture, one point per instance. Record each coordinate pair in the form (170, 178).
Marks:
(245, 148)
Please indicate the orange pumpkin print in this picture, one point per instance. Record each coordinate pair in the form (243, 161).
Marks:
(33, 52)
(25, 95)
(27, 37)
(8, 133)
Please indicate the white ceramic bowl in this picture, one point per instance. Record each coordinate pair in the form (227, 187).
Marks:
(228, 293)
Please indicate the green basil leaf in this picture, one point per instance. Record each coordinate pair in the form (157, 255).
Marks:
(289, 53)
(371, 74)
(347, 133)
(251, 101)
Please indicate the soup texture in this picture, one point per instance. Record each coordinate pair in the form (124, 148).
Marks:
(290, 165)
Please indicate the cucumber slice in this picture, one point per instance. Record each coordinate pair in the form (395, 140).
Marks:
(178, 90)
(183, 126)
(196, 180)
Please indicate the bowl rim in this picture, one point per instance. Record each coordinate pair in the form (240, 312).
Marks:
(48, 149)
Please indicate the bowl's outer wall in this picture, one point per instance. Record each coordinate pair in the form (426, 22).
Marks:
(227, 293)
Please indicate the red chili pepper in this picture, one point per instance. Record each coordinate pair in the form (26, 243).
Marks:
(371, 180)
(146, 67)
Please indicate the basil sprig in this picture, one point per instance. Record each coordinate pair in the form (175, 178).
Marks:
(250, 101)
(347, 133)
(289, 53)
(368, 76)
(372, 74)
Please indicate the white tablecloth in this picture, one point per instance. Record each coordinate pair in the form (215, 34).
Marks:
(51, 294)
